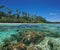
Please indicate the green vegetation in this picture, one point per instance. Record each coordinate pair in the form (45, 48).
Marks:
(18, 17)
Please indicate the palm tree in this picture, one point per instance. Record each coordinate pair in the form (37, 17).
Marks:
(10, 12)
(24, 14)
(18, 13)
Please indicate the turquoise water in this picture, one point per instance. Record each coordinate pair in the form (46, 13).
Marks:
(7, 30)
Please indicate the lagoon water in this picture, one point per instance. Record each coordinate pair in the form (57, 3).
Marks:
(6, 30)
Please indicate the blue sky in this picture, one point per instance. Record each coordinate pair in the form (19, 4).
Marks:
(49, 9)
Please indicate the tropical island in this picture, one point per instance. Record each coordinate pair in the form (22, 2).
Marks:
(19, 17)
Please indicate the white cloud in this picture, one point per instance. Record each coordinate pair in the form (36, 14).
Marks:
(52, 14)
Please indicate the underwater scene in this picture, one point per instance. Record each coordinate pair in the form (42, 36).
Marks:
(30, 36)
(29, 24)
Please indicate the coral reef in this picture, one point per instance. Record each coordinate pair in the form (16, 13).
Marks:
(31, 40)
(33, 37)
(23, 41)
(19, 46)
(0, 47)
(33, 47)
(50, 43)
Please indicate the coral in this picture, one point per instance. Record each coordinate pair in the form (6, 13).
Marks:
(49, 43)
(0, 47)
(33, 47)
(21, 41)
(19, 46)
(33, 37)
(17, 37)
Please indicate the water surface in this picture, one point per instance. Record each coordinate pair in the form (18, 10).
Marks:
(6, 30)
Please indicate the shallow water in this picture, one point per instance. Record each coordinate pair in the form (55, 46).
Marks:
(7, 30)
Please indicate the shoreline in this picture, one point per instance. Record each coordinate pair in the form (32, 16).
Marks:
(15, 24)
(20, 23)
